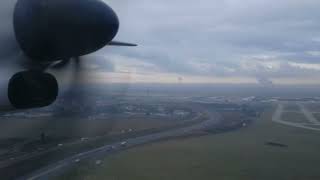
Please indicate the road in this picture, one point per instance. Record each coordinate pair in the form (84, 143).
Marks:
(29, 156)
(62, 165)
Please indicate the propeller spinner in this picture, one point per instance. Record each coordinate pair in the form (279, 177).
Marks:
(51, 30)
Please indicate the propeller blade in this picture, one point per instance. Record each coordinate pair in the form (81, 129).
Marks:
(118, 43)
(60, 64)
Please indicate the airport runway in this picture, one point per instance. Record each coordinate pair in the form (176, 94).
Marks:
(70, 162)
(309, 116)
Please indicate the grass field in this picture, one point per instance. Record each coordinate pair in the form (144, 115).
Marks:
(313, 107)
(238, 155)
(77, 127)
(317, 116)
(295, 117)
(291, 107)
(81, 128)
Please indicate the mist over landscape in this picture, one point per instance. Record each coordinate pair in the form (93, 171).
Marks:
(154, 90)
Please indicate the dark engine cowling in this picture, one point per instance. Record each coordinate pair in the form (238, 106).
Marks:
(51, 30)
(32, 89)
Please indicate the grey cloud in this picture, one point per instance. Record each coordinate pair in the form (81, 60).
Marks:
(97, 63)
(175, 35)
(265, 81)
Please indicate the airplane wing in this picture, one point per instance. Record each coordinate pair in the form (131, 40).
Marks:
(118, 43)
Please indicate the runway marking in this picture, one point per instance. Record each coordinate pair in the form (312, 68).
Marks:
(313, 121)
(308, 114)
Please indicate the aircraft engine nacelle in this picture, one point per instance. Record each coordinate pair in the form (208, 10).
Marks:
(51, 30)
(32, 89)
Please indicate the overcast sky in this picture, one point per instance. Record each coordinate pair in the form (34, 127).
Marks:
(219, 40)
(216, 41)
